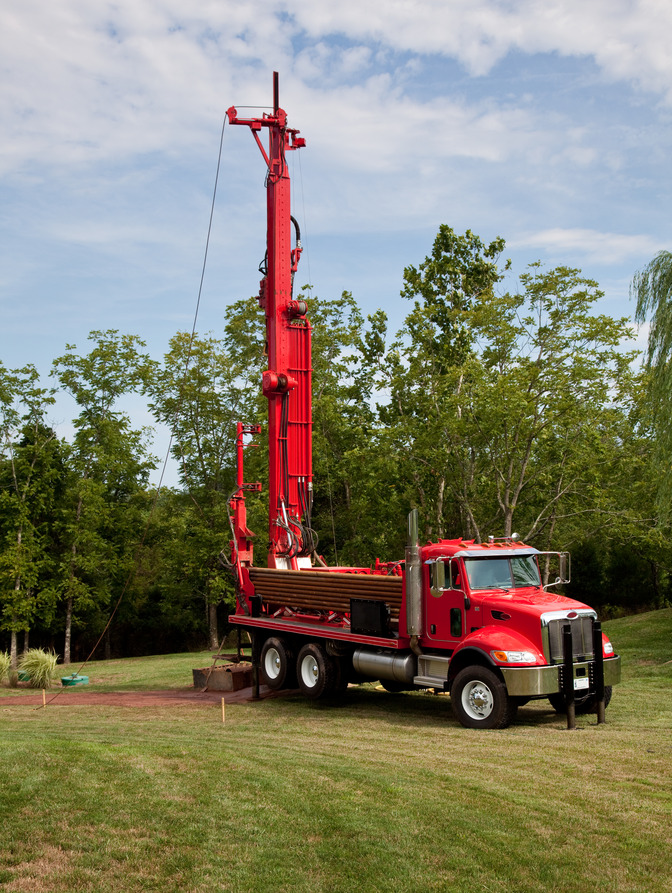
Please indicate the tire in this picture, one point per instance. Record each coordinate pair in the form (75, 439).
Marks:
(480, 700)
(342, 665)
(317, 673)
(586, 704)
(277, 664)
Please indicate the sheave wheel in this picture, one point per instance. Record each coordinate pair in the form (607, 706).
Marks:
(316, 671)
(277, 664)
(480, 700)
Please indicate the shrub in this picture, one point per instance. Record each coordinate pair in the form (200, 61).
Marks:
(5, 663)
(40, 666)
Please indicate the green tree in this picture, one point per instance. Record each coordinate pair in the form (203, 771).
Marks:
(427, 371)
(501, 404)
(200, 392)
(652, 288)
(29, 474)
(110, 463)
(353, 476)
(353, 483)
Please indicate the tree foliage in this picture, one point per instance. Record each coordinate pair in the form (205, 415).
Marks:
(652, 288)
(490, 410)
(109, 465)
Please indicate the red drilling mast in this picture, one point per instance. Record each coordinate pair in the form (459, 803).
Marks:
(287, 381)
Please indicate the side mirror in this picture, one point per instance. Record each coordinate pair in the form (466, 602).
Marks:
(563, 567)
(556, 569)
(437, 577)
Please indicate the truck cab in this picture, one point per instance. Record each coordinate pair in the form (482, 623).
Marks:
(490, 620)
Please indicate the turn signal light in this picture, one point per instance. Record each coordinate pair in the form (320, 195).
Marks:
(514, 657)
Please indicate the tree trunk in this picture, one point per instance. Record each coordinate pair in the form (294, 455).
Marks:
(107, 645)
(439, 508)
(26, 633)
(13, 650)
(212, 627)
(508, 521)
(68, 613)
(68, 632)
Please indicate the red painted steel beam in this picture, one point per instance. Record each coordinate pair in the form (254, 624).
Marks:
(287, 382)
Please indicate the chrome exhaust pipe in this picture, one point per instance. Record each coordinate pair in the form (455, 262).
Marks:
(413, 582)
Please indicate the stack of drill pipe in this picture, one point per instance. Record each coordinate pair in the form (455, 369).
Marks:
(324, 591)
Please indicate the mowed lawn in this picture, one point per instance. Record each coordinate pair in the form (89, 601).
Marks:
(380, 792)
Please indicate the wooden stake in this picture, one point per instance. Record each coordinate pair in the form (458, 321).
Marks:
(44, 698)
(223, 711)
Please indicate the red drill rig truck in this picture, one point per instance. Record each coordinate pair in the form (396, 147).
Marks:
(472, 619)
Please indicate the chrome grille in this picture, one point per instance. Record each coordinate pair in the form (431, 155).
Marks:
(582, 637)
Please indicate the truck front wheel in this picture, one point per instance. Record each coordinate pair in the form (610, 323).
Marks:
(316, 671)
(480, 700)
(277, 664)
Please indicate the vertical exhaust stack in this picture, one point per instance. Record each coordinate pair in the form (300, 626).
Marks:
(413, 582)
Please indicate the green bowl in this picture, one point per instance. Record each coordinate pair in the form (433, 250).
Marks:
(74, 680)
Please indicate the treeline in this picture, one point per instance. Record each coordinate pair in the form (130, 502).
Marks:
(492, 413)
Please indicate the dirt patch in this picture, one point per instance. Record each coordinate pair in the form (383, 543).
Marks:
(69, 697)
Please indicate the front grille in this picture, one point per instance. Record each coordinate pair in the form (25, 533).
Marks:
(582, 637)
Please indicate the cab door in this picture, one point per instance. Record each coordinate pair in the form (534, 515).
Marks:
(445, 621)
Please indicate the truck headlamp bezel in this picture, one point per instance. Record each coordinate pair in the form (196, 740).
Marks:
(514, 657)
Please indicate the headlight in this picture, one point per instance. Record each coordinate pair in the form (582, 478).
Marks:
(514, 657)
(608, 648)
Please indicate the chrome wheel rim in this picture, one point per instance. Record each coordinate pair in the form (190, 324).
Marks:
(477, 699)
(272, 663)
(310, 671)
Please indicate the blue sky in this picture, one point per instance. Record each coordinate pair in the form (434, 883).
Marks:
(547, 123)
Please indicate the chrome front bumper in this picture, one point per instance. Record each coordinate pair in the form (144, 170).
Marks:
(531, 681)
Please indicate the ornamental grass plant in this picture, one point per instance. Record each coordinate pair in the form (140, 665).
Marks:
(5, 664)
(39, 666)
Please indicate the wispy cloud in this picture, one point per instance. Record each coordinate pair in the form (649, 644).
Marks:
(496, 115)
(628, 40)
(600, 247)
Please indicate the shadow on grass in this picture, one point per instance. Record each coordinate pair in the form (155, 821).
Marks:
(409, 709)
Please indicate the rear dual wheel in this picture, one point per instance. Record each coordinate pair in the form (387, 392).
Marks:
(318, 673)
(278, 664)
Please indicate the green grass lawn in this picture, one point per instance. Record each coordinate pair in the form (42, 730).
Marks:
(381, 792)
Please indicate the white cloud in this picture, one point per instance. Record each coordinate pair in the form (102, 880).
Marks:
(87, 81)
(111, 113)
(92, 81)
(597, 246)
(629, 39)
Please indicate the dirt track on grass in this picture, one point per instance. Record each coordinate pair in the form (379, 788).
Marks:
(81, 697)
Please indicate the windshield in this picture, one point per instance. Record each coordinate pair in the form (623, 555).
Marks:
(502, 573)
